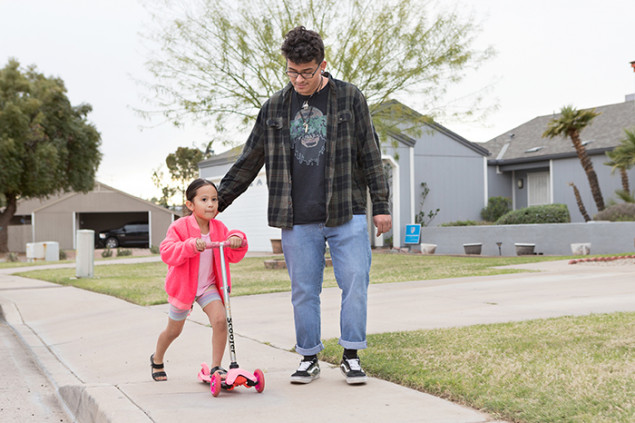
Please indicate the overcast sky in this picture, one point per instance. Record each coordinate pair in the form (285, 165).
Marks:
(550, 53)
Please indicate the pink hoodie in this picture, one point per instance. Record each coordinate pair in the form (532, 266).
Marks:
(178, 251)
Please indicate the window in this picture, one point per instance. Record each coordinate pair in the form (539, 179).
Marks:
(23, 219)
(538, 188)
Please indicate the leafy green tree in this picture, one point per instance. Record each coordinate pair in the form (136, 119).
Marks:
(46, 144)
(570, 124)
(183, 167)
(167, 192)
(218, 60)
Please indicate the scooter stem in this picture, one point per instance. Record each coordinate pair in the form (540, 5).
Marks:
(228, 312)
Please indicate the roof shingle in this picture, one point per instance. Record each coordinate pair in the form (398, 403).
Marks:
(526, 142)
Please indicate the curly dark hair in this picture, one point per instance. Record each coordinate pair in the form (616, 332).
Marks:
(302, 45)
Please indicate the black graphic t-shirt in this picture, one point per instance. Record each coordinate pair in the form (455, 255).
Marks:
(308, 141)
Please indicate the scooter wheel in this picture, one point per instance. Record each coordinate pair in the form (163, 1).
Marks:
(215, 384)
(260, 378)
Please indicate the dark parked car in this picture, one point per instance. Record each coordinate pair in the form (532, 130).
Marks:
(133, 234)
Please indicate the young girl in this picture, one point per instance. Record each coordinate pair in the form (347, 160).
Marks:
(194, 272)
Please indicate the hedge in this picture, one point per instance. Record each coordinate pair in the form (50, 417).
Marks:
(549, 213)
(623, 212)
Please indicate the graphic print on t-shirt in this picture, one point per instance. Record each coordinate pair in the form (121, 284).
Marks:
(308, 135)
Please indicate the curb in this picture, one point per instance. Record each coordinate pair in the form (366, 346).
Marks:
(81, 402)
(100, 404)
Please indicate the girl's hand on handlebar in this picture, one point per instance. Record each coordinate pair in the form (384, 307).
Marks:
(235, 241)
(200, 244)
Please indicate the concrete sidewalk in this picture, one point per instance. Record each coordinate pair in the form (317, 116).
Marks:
(95, 349)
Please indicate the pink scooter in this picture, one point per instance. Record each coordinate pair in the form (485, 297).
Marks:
(235, 375)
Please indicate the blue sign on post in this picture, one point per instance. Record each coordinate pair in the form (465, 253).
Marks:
(413, 234)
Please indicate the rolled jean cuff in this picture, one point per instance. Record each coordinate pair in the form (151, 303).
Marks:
(359, 345)
(309, 351)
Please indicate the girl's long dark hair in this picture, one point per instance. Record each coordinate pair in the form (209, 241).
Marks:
(191, 191)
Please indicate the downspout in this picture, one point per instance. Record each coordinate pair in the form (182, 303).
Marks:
(149, 228)
(485, 182)
(513, 182)
(412, 184)
(551, 181)
(74, 223)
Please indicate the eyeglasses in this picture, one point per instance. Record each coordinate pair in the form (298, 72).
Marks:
(305, 75)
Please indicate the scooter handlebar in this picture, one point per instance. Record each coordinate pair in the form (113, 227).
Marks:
(217, 244)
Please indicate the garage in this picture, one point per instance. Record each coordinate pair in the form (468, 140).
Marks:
(60, 217)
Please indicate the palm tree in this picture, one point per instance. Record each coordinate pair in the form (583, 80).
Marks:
(618, 162)
(622, 158)
(570, 124)
(578, 200)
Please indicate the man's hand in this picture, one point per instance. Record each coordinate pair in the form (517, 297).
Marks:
(383, 222)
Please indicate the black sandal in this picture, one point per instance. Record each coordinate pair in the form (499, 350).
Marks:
(222, 373)
(157, 376)
(218, 369)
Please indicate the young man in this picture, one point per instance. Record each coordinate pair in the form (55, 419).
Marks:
(322, 156)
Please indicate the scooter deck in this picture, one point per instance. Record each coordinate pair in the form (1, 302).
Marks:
(234, 377)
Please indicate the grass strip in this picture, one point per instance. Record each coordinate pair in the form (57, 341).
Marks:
(567, 369)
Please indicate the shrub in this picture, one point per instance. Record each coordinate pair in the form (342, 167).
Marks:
(13, 257)
(154, 249)
(106, 253)
(496, 207)
(461, 223)
(122, 253)
(623, 212)
(549, 213)
(63, 255)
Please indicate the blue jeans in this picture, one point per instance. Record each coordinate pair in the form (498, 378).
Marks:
(304, 247)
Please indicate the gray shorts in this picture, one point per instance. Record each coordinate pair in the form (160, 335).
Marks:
(210, 294)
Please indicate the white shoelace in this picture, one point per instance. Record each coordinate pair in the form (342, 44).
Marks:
(304, 365)
(353, 363)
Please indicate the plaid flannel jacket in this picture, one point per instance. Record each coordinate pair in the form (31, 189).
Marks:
(352, 152)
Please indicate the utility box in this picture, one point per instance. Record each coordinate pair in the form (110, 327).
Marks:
(85, 256)
(51, 251)
(46, 251)
(34, 251)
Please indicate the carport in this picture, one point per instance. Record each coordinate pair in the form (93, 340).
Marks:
(98, 221)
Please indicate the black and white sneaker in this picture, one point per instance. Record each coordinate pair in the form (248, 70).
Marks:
(352, 369)
(307, 372)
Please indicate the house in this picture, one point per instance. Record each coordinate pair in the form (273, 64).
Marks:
(452, 168)
(248, 212)
(59, 217)
(532, 170)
